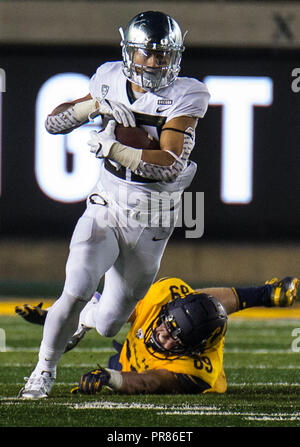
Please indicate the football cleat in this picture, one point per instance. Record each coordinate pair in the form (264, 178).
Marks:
(283, 292)
(38, 386)
(82, 327)
(76, 337)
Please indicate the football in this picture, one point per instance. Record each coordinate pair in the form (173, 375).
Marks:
(135, 137)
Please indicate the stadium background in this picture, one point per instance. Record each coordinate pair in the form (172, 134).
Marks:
(242, 242)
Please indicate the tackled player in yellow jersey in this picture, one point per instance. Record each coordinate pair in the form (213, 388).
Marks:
(202, 372)
(176, 339)
(175, 343)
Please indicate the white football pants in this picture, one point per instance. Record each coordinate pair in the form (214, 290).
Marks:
(128, 255)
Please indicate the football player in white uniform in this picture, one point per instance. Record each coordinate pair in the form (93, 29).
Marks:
(115, 237)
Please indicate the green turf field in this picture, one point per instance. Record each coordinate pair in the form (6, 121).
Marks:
(261, 366)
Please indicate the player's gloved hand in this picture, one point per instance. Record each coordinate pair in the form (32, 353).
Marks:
(92, 382)
(101, 142)
(119, 111)
(33, 314)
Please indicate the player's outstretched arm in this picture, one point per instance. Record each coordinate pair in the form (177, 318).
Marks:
(225, 295)
(159, 381)
(148, 382)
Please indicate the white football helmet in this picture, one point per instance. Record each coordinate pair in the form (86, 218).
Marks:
(152, 33)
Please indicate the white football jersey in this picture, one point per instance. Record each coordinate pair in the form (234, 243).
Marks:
(185, 97)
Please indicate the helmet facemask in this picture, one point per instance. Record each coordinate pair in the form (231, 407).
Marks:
(151, 78)
(153, 345)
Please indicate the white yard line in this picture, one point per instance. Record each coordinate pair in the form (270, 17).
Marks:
(36, 349)
(187, 410)
(182, 410)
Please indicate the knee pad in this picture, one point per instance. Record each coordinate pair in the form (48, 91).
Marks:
(68, 302)
(80, 285)
(108, 331)
(108, 326)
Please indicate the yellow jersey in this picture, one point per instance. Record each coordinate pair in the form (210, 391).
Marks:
(200, 374)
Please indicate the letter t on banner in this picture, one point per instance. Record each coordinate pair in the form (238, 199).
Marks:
(238, 95)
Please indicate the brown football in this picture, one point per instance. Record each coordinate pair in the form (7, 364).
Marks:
(135, 137)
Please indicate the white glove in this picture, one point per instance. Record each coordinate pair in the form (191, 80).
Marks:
(121, 113)
(101, 142)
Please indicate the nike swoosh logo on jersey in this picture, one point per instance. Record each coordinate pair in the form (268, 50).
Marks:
(158, 239)
(161, 109)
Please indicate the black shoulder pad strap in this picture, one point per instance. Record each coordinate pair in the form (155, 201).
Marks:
(177, 130)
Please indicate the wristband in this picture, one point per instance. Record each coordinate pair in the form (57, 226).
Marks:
(116, 380)
(82, 110)
(128, 157)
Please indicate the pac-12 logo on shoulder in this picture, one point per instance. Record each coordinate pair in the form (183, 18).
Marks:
(104, 90)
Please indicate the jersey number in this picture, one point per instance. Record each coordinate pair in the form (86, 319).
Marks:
(203, 362)
(177, 292)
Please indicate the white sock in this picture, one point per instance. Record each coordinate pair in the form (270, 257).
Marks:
(61, 323)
